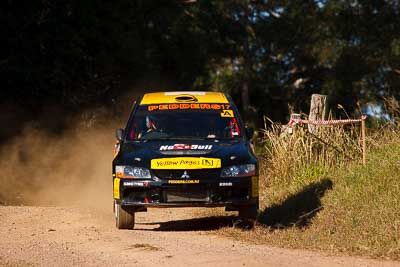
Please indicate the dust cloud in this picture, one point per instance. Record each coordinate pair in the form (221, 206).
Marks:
(72, 168)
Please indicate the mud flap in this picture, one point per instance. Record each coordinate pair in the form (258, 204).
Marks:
(116, 188)
(254, 186)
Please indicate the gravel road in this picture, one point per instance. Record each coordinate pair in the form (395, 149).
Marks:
(75, 236)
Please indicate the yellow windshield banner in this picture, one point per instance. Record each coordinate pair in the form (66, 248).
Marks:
(185, 163)
(189, 106)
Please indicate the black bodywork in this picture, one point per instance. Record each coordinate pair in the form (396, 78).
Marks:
(211, 189)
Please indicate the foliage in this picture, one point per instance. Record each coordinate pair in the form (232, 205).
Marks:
(266, 54)
(78, 52)
(345, 49)
(288, 153)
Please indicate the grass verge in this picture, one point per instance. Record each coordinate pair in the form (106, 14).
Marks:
(332, 204)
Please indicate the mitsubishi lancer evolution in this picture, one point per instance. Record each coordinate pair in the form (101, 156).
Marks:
(184, 149)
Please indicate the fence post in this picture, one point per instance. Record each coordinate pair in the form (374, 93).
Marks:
(318, 111)
(291, 128)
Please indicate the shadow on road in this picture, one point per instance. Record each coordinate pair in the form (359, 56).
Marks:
(298, 209)
(196, 224)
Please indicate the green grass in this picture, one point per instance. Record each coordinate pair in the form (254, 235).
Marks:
(333, 204)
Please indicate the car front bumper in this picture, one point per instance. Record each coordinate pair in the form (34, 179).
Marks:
(228, 192)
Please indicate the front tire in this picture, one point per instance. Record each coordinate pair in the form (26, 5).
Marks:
(124, 217)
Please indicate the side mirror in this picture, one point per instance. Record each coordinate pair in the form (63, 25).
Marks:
(120, 134)
(249, 132)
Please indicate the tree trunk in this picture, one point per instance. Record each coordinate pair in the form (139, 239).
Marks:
(318, 111)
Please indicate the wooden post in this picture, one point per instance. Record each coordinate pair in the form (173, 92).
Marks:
(291, 128)
(364, 146)
(318, 111)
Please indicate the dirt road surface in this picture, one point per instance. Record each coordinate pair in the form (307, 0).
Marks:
(69, 221)
(74, 236)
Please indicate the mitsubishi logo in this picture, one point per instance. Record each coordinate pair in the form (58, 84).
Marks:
(185, 175)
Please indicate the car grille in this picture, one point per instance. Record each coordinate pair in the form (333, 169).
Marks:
(187, 195)
(192, 174)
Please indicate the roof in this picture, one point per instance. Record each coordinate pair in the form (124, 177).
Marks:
(184, 97)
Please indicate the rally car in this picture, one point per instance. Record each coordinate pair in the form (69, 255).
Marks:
(184, 149)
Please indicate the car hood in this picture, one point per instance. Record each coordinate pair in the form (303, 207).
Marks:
(231, 152)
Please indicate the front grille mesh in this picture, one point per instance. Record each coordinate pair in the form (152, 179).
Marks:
(187, 195)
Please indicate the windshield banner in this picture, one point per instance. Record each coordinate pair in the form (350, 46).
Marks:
(188, 106)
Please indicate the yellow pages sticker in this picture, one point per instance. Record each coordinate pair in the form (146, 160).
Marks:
(185, 163)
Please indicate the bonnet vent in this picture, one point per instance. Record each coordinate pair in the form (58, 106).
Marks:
(186, 98)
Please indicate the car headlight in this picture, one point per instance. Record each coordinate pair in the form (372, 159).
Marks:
(132, 172)
(239, 170)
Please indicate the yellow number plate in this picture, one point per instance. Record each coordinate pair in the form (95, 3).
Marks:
(185, 163)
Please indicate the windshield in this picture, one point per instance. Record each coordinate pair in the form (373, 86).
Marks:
(149, 124)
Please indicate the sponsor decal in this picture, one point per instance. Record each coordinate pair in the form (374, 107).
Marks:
(235, 131)
(225, 184)
(136, 184)
(189, 106)
(183, 181)
(185, 147)
(227, 113)
(116, 188)
(185, 163)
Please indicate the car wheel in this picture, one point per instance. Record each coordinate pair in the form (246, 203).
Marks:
(124, 217)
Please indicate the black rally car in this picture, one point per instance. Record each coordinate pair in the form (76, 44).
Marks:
(184, 149)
